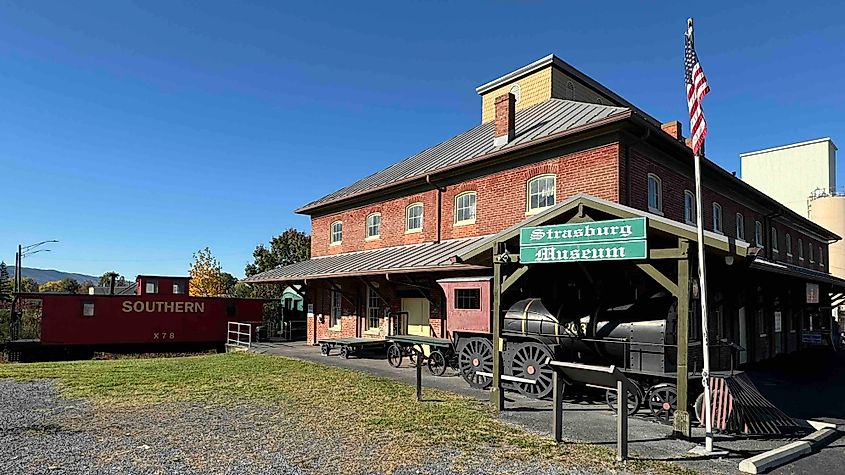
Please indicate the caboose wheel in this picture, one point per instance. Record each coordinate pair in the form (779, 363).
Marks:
(635, 399)
(436, 363)
(344, 352)
(662, 402)
(529, 362)
(476, 355)
(394, 355)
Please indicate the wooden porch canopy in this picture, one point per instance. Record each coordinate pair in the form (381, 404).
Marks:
(583, 207)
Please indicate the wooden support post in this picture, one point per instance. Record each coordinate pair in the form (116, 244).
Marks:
(497, 396)
(621, 420)
(514, 278)
(681, 424)
(557, 410)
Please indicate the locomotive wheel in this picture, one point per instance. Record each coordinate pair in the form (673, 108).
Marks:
(476, 355)
(344, 352)
(662, 402)
(529, 362)
(394, 356)
(436, 363)
(635, 399)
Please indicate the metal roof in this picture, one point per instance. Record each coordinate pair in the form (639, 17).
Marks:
(538, 121)
(408, 258)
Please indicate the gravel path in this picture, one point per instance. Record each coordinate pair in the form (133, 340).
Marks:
(41, 432)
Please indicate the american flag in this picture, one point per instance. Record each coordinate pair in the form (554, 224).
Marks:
(697, 88)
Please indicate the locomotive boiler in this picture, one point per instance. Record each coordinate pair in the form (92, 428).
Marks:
(638, 337)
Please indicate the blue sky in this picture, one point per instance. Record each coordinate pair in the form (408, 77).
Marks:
(138, 133)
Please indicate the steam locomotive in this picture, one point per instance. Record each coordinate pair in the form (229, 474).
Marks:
(639, 338)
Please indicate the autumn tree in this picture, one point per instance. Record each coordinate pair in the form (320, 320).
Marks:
(65, 286)
(207, 279)
(29, 285)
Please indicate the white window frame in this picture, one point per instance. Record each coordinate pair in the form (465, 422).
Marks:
(88, 309)
(773, 238)
(811, 256)
(335, 309)
(800, 249)
(178, 288)
(740, 226)
(154, 284)
(658, 196)
(408, 228)
(373, 310)
(758, 233)
(788, 244)
(529, 193)
(372, 229)
(689, 207)
(717, 218)
(332, 241)
(821, 257)
(462, 222)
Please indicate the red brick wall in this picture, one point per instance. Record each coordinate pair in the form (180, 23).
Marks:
(674, 185)
(500, 202)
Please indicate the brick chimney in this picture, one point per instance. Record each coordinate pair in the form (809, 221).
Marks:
(505, 119)
(674, 129)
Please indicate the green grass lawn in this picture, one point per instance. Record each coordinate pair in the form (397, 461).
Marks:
(321, 398)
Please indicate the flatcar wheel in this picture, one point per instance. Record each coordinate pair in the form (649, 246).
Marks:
(344, 352)
(394, 355)
(476, 355)
(662, 402)
(635, 399)
(324, 350)
(529, 362)
(436, 363)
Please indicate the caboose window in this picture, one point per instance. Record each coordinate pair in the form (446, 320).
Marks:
(469, 299)
(151, 287)
(88, 309)
(178, 287)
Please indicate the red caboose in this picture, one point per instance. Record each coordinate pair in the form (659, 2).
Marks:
(159, 316)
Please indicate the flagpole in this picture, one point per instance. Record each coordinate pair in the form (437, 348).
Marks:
(702, 286)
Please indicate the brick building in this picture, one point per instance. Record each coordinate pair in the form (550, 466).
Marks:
(549, 134)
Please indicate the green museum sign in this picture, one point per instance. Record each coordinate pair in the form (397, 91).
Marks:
(615, 239)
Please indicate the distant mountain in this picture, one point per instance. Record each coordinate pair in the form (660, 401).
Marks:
(46, 275)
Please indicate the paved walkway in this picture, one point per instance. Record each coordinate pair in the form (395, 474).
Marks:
(584, 421)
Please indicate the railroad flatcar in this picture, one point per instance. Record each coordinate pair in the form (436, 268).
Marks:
(159, 316)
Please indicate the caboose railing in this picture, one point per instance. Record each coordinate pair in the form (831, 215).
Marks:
(239, 335)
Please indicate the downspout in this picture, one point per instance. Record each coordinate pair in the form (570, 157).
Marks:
(440, 191)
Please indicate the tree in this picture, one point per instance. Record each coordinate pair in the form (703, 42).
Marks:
(83, 289)
(229, 283)
(287, 248)
(65, 286)
(207, 278)
(5, 283)
(29, 285)
(105, 280)
(290, 247)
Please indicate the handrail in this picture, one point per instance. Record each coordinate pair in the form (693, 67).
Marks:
(235, 335)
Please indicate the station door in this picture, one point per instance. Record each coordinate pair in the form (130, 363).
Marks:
(418, 312)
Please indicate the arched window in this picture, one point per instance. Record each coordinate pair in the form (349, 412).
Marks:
(655, 194)
(414, 218)
(717, 217)
(810, 250)
(689, 207)
(374, 226)
(800, 249)
(541, 193)
(336, 233)
(465, 208)
(788, 241)
(821, 256)
(740, 226)
(758, 234)
(774, 239)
